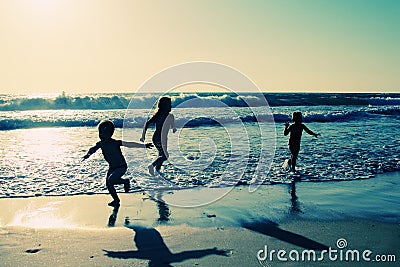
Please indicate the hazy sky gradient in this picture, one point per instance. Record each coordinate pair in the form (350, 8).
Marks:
(114, 46)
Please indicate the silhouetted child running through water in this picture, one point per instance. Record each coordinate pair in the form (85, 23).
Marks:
(164, 121)
(296, 130)
(112, 153)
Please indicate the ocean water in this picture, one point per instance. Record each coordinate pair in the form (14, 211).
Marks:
(220, 140)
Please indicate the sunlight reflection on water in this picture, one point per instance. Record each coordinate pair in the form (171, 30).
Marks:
(45, 216)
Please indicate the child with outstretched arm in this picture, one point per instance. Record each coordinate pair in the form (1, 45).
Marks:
(296, 129)
(112, 153)
(164, 121)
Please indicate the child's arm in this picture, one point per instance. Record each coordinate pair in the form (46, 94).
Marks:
(91, 151)
(146, 125)
(135, 144)
(287, 129)
(309, 131)
(173, 123)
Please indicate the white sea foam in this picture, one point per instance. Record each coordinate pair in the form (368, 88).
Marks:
(47, 161)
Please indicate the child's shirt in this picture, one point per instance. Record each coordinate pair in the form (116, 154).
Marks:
(163, 124)
(111, 150)
(296, 130)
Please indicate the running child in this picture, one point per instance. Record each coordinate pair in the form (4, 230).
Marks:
(112, 153)
(164, 121)
(296, 130)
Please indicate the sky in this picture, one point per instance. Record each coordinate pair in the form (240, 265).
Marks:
(95, 46)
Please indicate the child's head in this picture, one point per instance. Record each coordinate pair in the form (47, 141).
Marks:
(297, 117)
(164, 104)
(106, 129)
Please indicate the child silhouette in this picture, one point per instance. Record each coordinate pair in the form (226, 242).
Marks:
(164, 121)
(296, 130)
(112, 153)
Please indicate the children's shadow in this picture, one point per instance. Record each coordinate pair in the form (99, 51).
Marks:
(151, 246)
(272, 229)
(163, 209)
(113, 217)
(295, 205)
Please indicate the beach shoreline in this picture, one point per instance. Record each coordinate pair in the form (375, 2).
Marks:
(83, 231)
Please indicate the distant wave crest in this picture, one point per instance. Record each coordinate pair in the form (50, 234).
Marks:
(144, 101)
(92, 120)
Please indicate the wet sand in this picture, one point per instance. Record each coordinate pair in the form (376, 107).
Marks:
(83, 231)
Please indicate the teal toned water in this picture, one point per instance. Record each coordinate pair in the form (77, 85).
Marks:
(41, 150)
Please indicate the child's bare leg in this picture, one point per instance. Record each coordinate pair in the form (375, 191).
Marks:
(159, 161)
(113, 178)
(294, 151)
(293, 161)
(162, 156)
(151, 169)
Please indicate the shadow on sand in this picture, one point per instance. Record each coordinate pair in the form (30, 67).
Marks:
(151, 246)
(295, 204)
(113, 217)
(272, 229)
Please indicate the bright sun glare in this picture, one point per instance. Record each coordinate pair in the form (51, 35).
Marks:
(43, 144)
(41, 10)
(44, 4)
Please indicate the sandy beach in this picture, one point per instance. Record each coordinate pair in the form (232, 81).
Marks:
(83, 231)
